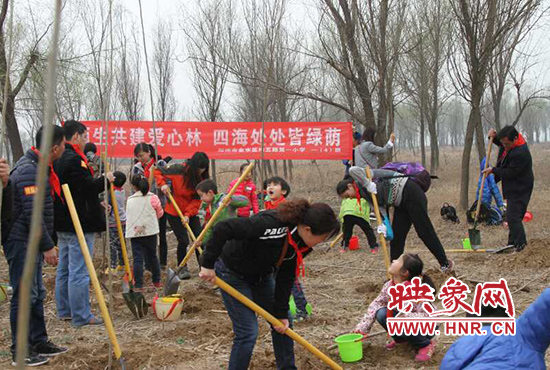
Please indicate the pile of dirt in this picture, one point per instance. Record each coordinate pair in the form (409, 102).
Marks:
(535, 255)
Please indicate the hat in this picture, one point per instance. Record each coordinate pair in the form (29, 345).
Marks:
(357, 136)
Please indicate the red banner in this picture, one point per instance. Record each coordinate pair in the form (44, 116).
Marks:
(229, 140)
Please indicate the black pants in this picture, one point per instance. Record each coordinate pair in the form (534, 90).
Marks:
(163, 245)
(414, 211)
(350, 221)
(515, 210)
(144, 249)
(181, 234)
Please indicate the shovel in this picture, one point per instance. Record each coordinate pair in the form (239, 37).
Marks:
(379, 220)
(172, 281)
(474, 234)
(93, 276)
(134, 300)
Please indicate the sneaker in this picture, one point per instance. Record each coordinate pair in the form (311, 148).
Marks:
(32, 360)
(342, 250)
(158, 285)
(448, 268)
(520, 247)
(111, 271)
(391, 345)
(48, 349)
(374, 250)
(425, 354)
(94, 321)
(120, 268)
(301, 315)
(184, 274)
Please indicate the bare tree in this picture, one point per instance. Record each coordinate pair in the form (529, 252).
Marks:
(128, 76)
(209, 40)
(163, 72)
(30, 54)
(482, 27)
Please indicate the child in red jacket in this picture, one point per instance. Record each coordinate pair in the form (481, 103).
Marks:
(248, 189)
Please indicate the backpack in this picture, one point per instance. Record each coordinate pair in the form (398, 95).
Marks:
(448, 212)
(414, 170)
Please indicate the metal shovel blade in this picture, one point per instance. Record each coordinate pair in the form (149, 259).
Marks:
(172, 283)
(136, 303)
(475, 238)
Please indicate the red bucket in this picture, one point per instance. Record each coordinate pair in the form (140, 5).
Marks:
(354, 243)
(527, 217)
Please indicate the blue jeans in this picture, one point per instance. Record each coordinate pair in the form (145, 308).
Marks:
(417, 341)
(245, 323)
(15, 254)
(299, 297)
(145, 248)
(72, 283)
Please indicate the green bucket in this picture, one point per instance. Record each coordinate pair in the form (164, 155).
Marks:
(350, 347)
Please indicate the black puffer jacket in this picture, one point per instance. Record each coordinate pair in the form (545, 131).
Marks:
(7, 209)
(72, 170)
(515, 171)
(252, 247)
(23, 181)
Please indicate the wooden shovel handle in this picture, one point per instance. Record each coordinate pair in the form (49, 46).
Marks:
(379, 221)
(480, 194)
(180, 214)
(91, 271)
(275, 322)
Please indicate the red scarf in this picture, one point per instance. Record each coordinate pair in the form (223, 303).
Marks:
(358, 196)
(147, 169)
(119, 188)
(208, 214)
(83, 156)
(300, 258)
(518, 142)
(55, 184)
(272, 204)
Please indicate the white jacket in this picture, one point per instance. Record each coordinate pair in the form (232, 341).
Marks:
(142, 213)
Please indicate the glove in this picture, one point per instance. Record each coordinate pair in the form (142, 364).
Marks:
(371, 188)
(389, 144)
(381, 229)
(389, 231)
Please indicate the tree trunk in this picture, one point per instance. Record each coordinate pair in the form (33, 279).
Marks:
(465, 176)
(12, 130)
(290, 169)
(285, 171)
(422, 138)
(213, 165)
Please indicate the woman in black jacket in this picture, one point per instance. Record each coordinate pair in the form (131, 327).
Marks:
(260, 257)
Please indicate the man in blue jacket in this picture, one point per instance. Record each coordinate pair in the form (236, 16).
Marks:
(72, 283)
(525, 350)
(23, 181)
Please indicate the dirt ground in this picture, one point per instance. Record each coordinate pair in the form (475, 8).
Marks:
(339, 287)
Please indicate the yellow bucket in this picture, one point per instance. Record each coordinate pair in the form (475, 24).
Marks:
(168, 308)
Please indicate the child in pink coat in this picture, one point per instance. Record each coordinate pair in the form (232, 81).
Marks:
(248, 189)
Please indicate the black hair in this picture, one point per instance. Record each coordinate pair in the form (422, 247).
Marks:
(72, 127)
(58, 134)
(141, 183)
(414, 265)
(342, 186)
(508, 132)
(320, 217)
(197, 161)
(278, 181)
(144, 147)
(206, 185)
(368, 134)
(90, 147)
(120, 179)
(243, 167)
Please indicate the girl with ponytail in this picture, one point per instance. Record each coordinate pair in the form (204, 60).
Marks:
(402, 270)
(143, 209)
(260, 256)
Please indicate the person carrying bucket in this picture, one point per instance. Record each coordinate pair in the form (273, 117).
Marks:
(402, 270)
(260, 257)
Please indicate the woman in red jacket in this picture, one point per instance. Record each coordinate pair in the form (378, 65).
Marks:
(181, 180)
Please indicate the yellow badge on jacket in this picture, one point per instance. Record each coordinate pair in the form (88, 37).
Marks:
(30, 190)
(83, 164)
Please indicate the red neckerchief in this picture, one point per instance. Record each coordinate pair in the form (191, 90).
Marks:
(83, 156)
(272, 204)
(300, 258)
(119, 188)
(55, 184)
(208, 214)
(147, 169)
(518, 142)
(358, 196)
